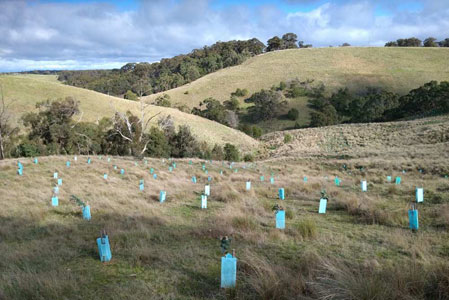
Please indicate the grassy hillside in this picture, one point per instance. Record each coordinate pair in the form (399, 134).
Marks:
(361, 248)
(424, 137)
(396, 69)
(27, 90)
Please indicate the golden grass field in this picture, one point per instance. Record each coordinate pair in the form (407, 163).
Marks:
(27, 90)
(361, 248)
(395, 69)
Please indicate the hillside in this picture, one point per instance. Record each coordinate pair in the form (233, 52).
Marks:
(423, 138)
(171, 250)
(395, 69)
(27, 90)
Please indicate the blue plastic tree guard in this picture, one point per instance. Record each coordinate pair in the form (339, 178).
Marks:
(155, 176)
(35, 160)
(19, 165)
(228, 271)
(55, 175)
(280, 219)
(248, 185)
(419, 194)
(54, 201)
(272, 180)
(104, 249)
(115, 167)
(141, 186)
(89, 160)
(86, 213)
(174, 165)
(281, 194)
(109, 159)
(190, 162)
(221, 172)
(122, 171)
(207, 190)
(322, 208)
(398, 180)
(389, 178)
(67, 163)
(413, 219)
(170, 169)
(262, 178)
(337, 181)
(209, 178)
(305, 179)
(56, 190)
(60, 181)
(203, 167)
(162, 195)
(203, 201)
(363, 185)
(20, 171)
(151, 170)
(105, 176)
(194, 179)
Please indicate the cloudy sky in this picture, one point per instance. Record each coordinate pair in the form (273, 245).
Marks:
(86, 34)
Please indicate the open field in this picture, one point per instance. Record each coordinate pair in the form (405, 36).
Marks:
(395, 69)
(27, 90)
(360, 249)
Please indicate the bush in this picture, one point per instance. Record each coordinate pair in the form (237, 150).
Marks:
(130, 96)
(293, 114)
(287, 138)
(163, 100)
(282, 85)
(256, 132)
(231, 152)
(240, 92)
(248, 157)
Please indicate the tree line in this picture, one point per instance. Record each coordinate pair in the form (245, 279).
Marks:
(415, 42)
(134, 80)
(377, 105)
(55, 130)
(146, 78)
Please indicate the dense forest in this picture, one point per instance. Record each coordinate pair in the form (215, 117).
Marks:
(147, 78)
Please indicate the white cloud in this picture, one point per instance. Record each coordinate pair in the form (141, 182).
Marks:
(90, 35)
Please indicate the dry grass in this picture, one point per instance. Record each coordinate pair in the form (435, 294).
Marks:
(396, 69)
(171, 250)
(30, 89)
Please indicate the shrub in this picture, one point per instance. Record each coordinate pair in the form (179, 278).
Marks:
(130, 95)
(240, 92)
(293, 114)
(163, 100)
(231, 153)
(287, 138)
(248, 157)
(256, 132)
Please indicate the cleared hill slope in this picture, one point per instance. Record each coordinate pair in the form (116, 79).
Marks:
(27, 90)
(423, 138)
(396, 69)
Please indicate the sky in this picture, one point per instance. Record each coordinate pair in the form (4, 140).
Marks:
(88, 34)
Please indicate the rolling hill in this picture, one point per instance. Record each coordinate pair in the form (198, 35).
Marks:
(395, 69)
(27, 90)
(425, 138)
